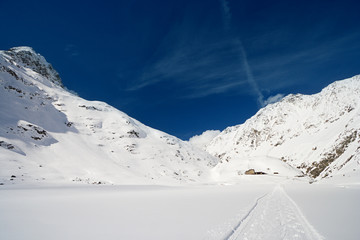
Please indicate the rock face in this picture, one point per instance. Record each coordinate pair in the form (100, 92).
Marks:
(27, 57)
(316, 134)
(48, 134)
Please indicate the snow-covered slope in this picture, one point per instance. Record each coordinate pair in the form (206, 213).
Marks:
(317, 135)
(48, 134)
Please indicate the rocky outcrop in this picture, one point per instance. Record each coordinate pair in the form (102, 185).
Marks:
(26, 56)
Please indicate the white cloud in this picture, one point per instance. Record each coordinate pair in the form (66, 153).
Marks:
(273, 99)
(202, 140)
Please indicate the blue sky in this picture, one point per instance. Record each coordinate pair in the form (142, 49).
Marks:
(188, 66)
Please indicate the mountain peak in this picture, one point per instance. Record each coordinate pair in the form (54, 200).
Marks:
(27, 57)
(317, 134)
(22, 49)
(48, 134)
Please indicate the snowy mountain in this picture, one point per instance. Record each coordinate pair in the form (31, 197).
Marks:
(316, 135)
(48, 134)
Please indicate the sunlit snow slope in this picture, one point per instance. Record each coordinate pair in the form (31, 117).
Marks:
(48, 134)
(316, 135)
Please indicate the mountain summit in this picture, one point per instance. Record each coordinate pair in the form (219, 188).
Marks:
(48, 134)
(315, 135)
(27, 57)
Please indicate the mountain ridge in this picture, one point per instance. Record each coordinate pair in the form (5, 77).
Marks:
(322, 126)
(47, 134)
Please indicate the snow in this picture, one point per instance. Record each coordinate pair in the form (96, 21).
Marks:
(119, 212)
(267, 208)
(315, 134)
(77, 169)
(73, 139)
(48, 134)
(274, 216)
(332, 209)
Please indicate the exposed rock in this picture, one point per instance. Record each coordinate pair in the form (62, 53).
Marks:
(28, 57)
(250, 172)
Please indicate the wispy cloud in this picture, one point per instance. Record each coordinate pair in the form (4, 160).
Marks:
(243, 56)
(226, 13)
(196, 58)
(200, 67)
(198, 61)
(71, 50)
(273, 99)
(280, 70)
(250, 77)
(215, 89)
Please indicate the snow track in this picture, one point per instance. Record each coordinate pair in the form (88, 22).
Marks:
(274, 216)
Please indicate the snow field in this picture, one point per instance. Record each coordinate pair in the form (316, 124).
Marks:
(123, 212)
(254, 209)
(274, 216)
(333, 209)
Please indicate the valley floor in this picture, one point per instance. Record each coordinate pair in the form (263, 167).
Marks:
(257, 208)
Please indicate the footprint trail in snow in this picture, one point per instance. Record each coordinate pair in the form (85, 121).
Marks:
(274, 216)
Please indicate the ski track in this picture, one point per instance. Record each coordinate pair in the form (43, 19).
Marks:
(274, 216)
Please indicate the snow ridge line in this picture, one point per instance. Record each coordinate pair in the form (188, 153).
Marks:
(228, 237)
